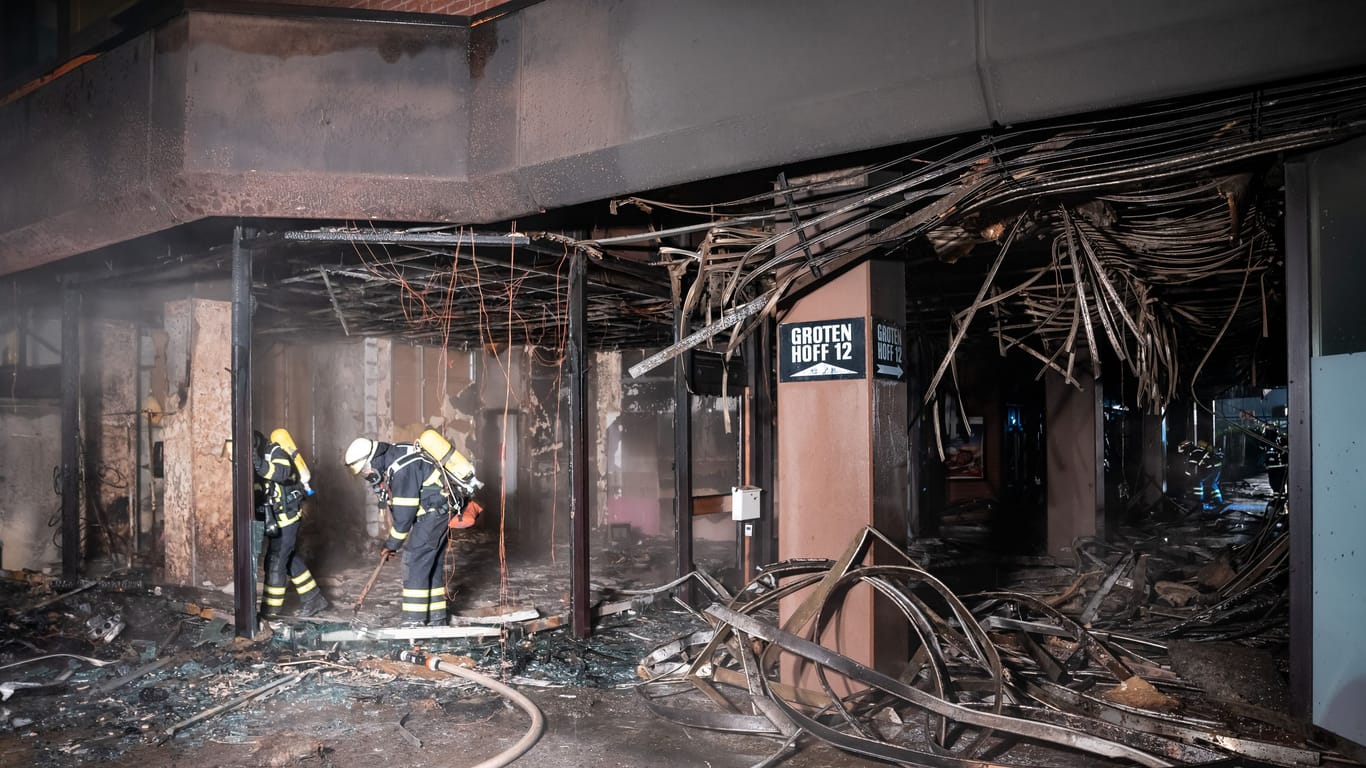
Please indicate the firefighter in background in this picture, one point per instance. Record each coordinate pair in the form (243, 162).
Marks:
(1277, 460)
(260, 501)
(420, 507)
(1202, 465)
(284, 493)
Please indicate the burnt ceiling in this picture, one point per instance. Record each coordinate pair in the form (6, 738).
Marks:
(1145, 240)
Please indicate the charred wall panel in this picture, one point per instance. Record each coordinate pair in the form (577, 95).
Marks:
(277, 95)
(75, 158)
(28, 454)
(111, 402)
(336, 516)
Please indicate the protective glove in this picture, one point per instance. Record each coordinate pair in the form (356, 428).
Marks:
(272, 525)
(386, 553)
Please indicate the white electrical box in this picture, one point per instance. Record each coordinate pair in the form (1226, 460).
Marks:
(744, 503)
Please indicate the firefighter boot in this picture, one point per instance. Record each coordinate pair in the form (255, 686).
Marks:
(313, 603)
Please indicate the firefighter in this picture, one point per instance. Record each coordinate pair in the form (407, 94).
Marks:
(284, 498)
(1211, 463)
(402, 475)
(1202, 465)
(1276, 458)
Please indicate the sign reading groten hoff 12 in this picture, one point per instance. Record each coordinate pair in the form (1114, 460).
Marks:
(822, 349)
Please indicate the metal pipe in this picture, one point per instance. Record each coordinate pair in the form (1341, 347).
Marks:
(136, 426)
(730, 319)
(151, 474)
(759, 366)
(131, 431)
(405, 238)
(663, 233)
(243, 575)
(282, 682)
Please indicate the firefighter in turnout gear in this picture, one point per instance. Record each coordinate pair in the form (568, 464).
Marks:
(1203, 464)
(420, 507)
(283, 494)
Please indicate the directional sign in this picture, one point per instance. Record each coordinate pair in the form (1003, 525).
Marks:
(822, 349)
(888, 351)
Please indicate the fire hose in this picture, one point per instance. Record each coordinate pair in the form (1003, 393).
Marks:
(533, 733)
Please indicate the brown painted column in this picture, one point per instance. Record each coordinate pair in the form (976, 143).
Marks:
(1076, 485)
(842, 440)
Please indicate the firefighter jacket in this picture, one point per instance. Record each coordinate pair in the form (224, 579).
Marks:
(416, 487)
(284, 494)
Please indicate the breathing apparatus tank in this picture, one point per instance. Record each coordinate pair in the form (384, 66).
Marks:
(282, 438)
(457, 467)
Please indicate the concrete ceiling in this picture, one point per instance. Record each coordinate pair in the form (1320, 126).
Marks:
(248, 115)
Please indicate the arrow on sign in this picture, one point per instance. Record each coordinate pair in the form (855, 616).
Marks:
(890, 370)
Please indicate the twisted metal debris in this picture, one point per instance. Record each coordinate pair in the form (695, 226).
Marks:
(978, 680)
(1148, 219)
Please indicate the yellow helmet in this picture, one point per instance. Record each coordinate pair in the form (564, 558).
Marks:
(359, 453)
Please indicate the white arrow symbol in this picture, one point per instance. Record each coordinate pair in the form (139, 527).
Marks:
(888, 369)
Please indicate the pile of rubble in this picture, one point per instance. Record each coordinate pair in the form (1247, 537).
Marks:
(121, 671)
(1092, 668)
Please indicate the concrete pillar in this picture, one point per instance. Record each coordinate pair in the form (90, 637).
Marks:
(198, 515)
(1076, 485)
(1154, 463)
(842, 442)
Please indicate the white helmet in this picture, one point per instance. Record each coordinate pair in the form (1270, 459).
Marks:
(359, 453)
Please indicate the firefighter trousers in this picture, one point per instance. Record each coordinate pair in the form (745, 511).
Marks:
(424, 577)
(283, 559)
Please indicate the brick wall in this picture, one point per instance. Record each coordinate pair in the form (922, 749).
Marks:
(448, 7)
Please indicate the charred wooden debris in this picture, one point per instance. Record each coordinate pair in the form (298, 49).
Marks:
(1085, 670)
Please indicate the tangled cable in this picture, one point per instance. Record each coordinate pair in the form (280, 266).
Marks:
(976, 679)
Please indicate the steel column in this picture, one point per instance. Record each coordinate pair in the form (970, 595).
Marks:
(682, 461)
(243, 575)
(759, 367)
(1300, 487)
(136, 511)
(72, 552)
(581, 622)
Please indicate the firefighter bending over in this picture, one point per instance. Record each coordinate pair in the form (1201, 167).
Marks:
(413, 485)
(283, 493)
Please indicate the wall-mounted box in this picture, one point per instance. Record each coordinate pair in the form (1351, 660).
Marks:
(744, 502)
